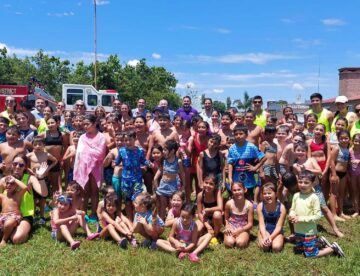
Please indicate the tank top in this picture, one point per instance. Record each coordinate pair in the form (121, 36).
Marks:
(355, 129)
(322, 118)
(212, 164)
(271, 218)
(53, 140)
(260, 119)
(333, 138)
(27, 206)
(349, 114)
(171, 168)
(184, 234)
(343, 155)
(42, 126)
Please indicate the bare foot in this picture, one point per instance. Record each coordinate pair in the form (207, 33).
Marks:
(345, 216)
(2, 243)
(338, 233)
(290, 238)
(355, 215)
(339, 218)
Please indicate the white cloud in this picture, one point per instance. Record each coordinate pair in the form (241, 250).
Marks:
(133, 62)
(244, 77)
(333, 22)
(222, 30)
(156, 56)
(18, 13)
(187, 85)
(7, 6)
(189, 27)
(297, 87)
(303, 43)
(102, 2)
(255, 58)
(287, 20)
(218, 91)
(61, 14)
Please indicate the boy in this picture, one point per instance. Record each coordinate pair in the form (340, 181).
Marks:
(239, 120)
(244, 159)
(225, 130)
(163, 134)
(4, 124)
(255, 132)
(270, 172)
(305, 211)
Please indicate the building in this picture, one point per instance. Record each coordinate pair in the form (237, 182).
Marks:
(276, 109)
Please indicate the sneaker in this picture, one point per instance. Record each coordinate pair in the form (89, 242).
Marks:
(337, 249)
(324, 242)
(146, 244)
(182, 255)
(133, 243)
(153, 245)
(194, 258)
(42, 221)
(214, 241)
(123, 243)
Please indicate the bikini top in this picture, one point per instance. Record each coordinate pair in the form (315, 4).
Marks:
(53, 140)
(212, 164)
(343, 155)
(317, 147)
(171, 168)
(208, 204)
(270, 148)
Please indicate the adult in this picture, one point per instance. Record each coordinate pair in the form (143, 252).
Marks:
(38, 112)
(324, 116)
(126, 113)
(215, 121)
(79, 107)
(60, 110)
(356, 125)
(116, 105)
(100, 112)
(208, 109)
(26, 106)
(261, 115)
(342, 111)
(36, 183)
(186, 111)
(88, 167)
(140, 109)
(164, 104)
(10, 109)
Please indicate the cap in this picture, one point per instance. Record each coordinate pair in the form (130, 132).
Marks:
(341, 99)
(158, 108)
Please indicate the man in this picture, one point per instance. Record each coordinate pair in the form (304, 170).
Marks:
(324, 116)
(261, 115)
(140, 110)
(79, 107)
(60, 109)
(9, 112)
(208, 109)
(165, 106)
(38, 112)
(187, 111)
(116, 104)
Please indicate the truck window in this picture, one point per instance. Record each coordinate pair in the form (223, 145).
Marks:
(106, 100)
(72, 95)
(92, 100)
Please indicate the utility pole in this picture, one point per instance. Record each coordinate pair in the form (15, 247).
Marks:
(95, 52)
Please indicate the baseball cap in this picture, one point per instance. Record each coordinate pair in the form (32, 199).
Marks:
(341, 99)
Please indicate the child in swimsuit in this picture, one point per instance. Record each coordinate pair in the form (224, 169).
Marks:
(340, 124)
(271, 216)
(270, 172)
(355, 173)
(185, 155)
(176, 202)
(183, 237)
(239, 218)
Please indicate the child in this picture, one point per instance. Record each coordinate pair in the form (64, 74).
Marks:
(74, 190)
(185, 155)
(225, 130)
(111, 224)
(183, 237)
(109, 160)
(355, 173)
(340, 124)
(271, 215)
(304, 212)
(211, 161)
(269, 148)
(146, 221)
(65, 221)
(10, 216)
(210, 206)
(169, 183)
(239, 217)
(176, 202)
(68, 122)
(132, 158)
(311, 123)
(340, 158)
(244, 160)
(4, 124)
(70, 154)
(255, 132)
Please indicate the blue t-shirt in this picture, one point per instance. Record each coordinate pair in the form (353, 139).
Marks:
(239, 156)
(148, 216)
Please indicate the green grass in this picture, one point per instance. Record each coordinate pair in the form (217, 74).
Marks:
(43, 256)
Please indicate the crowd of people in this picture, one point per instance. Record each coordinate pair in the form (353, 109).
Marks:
(135, 172)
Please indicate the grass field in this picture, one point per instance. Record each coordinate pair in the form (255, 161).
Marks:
(43, 256)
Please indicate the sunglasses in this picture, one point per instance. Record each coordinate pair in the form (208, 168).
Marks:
(17, 164)
(79, 105)
(9, 101)
(257, 102)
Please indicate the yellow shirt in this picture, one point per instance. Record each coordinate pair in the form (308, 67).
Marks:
(260, 119)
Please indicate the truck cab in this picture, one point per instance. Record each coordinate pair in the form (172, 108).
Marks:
(91, 97)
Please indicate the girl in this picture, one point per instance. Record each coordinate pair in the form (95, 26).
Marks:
(197, 143)
(111, 224)
(339, 125)
(125, 113)
(209, 207)
(183, 237)
(340, 158)
(185, 156)
(171, 168)
(215, 122)
(66, 220)
(146, 221)
(75, 192)
(355, 173)
(177, 123)
(287, 111)
(176, 202)
(311, 123)
(225, 131)
(271, 215)
(142, 136)
(69, 158)
(109, 162)
(239, 216)
(68, 122)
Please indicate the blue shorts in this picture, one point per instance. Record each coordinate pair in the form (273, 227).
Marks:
(307, 244)
(320, 195)
(167, 188)
(130, 189)
(108, 173)
(70, 176)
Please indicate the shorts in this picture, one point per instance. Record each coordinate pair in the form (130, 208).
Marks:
(320, 195)
(341, 175)
(130, 189)
(38, 196)
(307, 245)
(29, 219)
(270, 171)
(116, 183)
(56, 168)
(167, 188)
(70, 176)
(6, 217)
(108, 173)
(249, 195)
(282, 169)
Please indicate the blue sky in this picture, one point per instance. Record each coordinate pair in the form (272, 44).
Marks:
(220, 48)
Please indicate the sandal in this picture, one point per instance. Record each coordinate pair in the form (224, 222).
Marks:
(92, 236)
(182, 255)
(194, 258)
(75, 245)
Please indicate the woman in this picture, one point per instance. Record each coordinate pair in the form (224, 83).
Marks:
(342, 111)
(88, 167)
(100, 112)
(10, 109)
(125, 113)
(27, 206)
(42, 123)
(356, 125)
(215, 122)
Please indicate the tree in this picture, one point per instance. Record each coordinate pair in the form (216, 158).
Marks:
(244, 104)
(228, 102)
(219, 106)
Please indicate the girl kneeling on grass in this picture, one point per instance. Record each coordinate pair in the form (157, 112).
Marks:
(65, 220)
(239, 218)
(176, 202)
(183, 237)
(271, 216)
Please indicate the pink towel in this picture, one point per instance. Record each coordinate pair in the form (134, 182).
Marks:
(90, 154)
